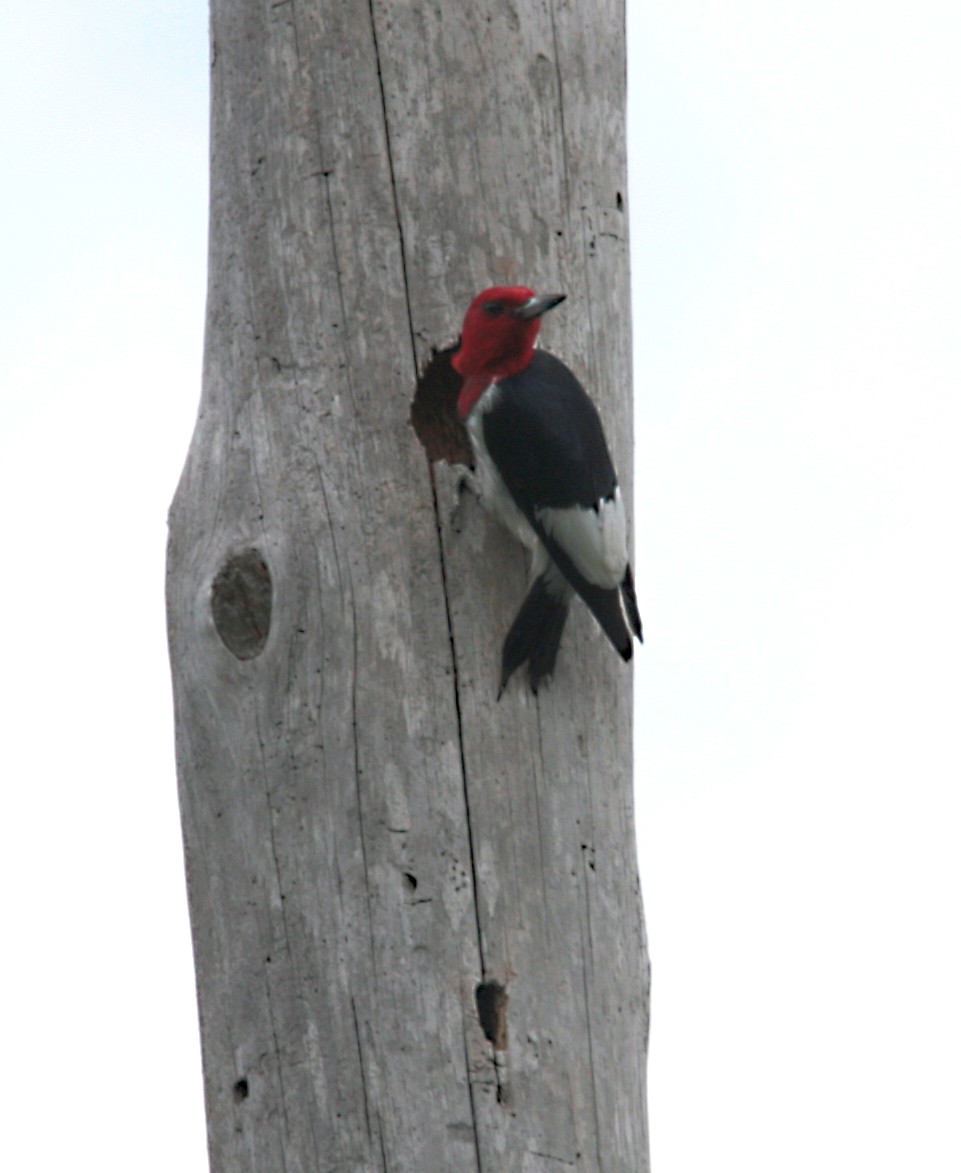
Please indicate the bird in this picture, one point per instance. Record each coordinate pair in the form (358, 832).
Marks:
(542, 467)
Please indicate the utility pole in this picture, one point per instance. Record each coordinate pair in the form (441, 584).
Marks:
(415, 910)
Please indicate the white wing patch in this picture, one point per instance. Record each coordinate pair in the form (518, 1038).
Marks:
(595, 539)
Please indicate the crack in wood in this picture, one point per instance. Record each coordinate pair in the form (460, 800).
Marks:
(460, 722)
(393, 180)
(436, 504)
(586, 954)
(358, 774)
(345, 336)
(280, 1069)
(473, 1107)
(560, 109)
(283, 919)
(363, 1076)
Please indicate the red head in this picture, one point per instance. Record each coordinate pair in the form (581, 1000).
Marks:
(500, 329)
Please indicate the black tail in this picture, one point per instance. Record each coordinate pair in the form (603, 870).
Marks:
(613, 607)
(630, 604)
(605, 604)
(535, 635)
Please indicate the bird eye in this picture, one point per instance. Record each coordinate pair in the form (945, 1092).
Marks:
(493, 308)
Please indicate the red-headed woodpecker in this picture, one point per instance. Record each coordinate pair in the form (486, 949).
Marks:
(543, 468)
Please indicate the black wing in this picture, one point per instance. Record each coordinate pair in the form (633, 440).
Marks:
(545, 437)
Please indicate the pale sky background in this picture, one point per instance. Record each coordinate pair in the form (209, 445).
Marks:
(795, 196)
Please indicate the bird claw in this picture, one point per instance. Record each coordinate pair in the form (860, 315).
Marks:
(466, 490)
(467, 483)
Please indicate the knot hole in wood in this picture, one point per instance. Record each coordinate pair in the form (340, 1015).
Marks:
(241, 597)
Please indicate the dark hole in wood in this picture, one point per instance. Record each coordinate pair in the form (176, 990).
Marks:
(410, 881)
(492, 1011)
(241, 598)
(241, 1091)
(433, 412)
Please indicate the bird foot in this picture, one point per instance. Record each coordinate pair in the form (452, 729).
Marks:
(467, 489)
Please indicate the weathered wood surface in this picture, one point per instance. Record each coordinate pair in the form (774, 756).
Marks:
(369, 836)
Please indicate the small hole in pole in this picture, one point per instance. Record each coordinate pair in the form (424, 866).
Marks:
(492, 1001)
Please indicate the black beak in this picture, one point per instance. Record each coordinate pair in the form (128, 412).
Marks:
(538, 305)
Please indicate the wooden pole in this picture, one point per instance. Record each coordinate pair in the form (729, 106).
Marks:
(415, 910)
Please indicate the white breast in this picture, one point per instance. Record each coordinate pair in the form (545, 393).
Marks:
(493, 491)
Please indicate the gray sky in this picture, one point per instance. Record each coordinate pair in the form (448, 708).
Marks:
(795, 186)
